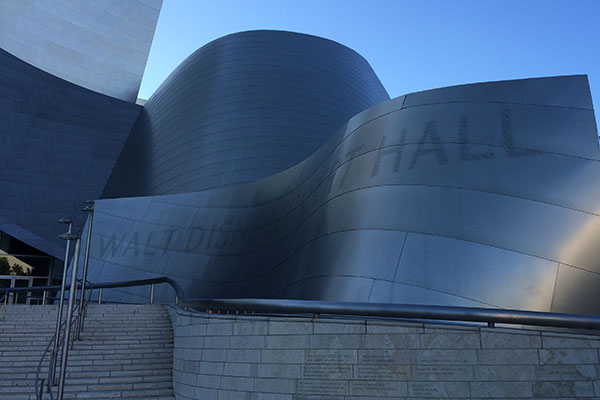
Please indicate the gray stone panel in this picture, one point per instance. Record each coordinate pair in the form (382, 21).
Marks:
(459, 362)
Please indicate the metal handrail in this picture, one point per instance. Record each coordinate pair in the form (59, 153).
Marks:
(142, 282)
(107, 285)
(39, 389)
(179, 294)
(83, 300)
(283, 306)
(80, 313)
(402, 311)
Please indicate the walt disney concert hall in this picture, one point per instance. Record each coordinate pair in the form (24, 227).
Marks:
(273, 164)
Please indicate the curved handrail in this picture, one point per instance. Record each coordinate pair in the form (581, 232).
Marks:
(50, 377)
(142, 282)
(425, 312)
(80, 313)
(39, 368)
(107, 285)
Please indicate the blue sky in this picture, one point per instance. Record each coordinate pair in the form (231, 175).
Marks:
(412, 45)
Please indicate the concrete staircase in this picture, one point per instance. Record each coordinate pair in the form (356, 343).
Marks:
(125, 352)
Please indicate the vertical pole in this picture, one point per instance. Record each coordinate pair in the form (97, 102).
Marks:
(41, 394)
(62, 299)
(100, 296)
(28, 295)
(12, 297)
(4, 307)
(72, 297)
(44, 298)
(89, 208)
(152, 294)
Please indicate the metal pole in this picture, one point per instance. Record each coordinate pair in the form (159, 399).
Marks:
(152, 294)
(4, 307)
(100, 296)
(72, 297)
(62, 298)
(90, 209)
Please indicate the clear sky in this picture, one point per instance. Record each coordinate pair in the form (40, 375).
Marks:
(412, 45)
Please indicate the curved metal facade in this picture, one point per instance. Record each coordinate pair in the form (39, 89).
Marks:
(483, 195)
(241, 108)
(477, 195)
(101, 45)
(58, 144)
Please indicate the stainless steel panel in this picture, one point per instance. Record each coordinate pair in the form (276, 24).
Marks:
(400, 293)
(576, 291)
(471, 195)
(503, 92)
(528, 227)
(487, 224)
(203, 121)
(491, 276)
(560, 91)
(58, 144)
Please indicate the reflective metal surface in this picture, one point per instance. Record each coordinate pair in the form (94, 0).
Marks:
(101, 45)
(58, 145)
(176, 288)
(243, 107)
(479, 195)
(422, 312)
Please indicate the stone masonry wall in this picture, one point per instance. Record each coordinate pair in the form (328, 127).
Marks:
(276, 358)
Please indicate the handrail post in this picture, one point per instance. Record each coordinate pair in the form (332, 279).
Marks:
(4, 307)
(41, 393)
(152, 293)
(72, 297)
(100, 296)
(62, 296)
(90, 209)
(44, 298)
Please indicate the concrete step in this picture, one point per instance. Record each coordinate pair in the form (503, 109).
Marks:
(125, 351)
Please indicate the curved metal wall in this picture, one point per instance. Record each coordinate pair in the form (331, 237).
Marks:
(58, 144)
(241, 108)
(477, 195)
(101, 45)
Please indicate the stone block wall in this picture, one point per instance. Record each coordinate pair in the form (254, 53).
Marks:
(276, 358)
